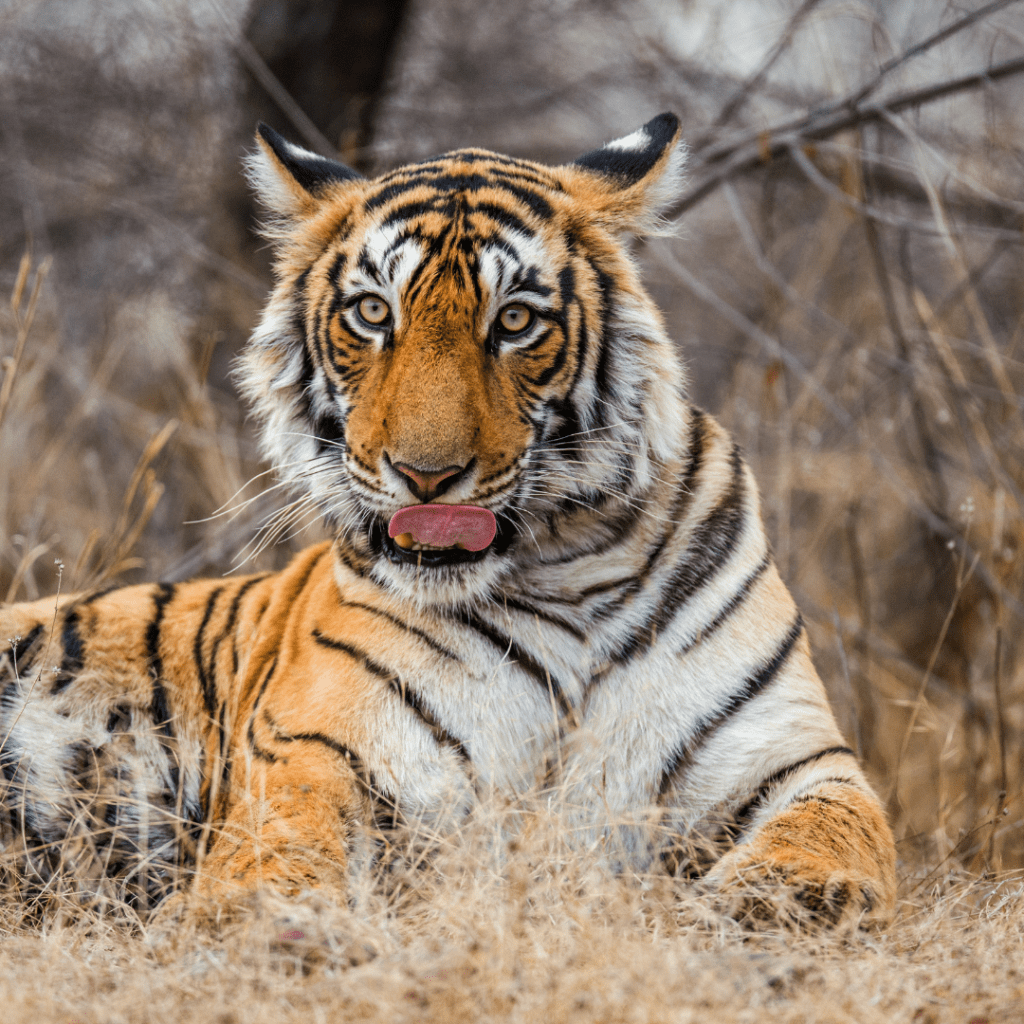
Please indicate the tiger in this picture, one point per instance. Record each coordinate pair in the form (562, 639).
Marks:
(547, 574)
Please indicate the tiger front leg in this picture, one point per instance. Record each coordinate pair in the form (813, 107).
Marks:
(825, 856)
(291, 828)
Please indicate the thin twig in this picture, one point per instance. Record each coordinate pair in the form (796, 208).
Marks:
(935, 483)
(24, 325)
(997, 683)
(961, 583)
(257, 67)
(739, 97)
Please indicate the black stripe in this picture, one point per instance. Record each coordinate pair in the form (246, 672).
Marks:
(260, 752)
(414, 209)
(606, 288)
(470, 183)
(734, 602)
(615, 532)
(442, 736)
(534, 200)
(696, 446)
(547, 375)
(159, 709)
(224, 790)
(750, 808)
(323, 739)
(753, 685)
(366, 264)
(21, 650)
(394, 620)
(526, 661)
(371, 666)
(709, 548)
(205, 684)
(346, 558)
(503, 216)
(229, 627)
(803, 798)
(334, 301)
(685, 492)
(365, 779)
(527, 609)
(327, 741)
(74, 652)
(298, 325)
(444, 185)
(411, 699)
(296, 589)
(389, 192)
(568, 296)
(820, 799)
(97, 594)
(413, 285)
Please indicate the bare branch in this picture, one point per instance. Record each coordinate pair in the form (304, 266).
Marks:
(922, 47)
(749, 151)
(871, 212)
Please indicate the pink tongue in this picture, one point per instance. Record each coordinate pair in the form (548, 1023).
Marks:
(444, 526)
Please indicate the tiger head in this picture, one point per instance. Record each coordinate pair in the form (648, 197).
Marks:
(458, 366)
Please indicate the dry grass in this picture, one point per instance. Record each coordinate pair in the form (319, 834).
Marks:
(477, 934)
(853, 311)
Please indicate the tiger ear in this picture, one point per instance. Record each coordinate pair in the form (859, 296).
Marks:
(291, 180)
(632, 179)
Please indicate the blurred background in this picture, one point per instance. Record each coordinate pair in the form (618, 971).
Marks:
(845, 283)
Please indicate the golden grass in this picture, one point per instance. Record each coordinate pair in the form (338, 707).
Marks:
(535, 935)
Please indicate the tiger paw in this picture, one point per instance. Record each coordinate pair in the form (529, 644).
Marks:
(309, 929)
(763, 892)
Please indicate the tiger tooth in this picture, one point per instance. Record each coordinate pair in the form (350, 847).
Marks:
(404, 540)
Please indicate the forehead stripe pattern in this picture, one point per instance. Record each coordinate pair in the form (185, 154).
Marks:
(445, 184)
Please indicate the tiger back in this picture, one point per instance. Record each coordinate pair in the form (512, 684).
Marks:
(549, 574)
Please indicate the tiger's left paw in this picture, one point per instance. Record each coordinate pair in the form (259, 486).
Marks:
(760, 892)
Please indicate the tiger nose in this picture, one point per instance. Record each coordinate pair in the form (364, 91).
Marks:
(428, 484)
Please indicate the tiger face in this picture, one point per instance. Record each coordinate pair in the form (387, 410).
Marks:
(458, 355)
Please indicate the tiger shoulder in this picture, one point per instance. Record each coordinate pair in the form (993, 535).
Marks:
(548, 576)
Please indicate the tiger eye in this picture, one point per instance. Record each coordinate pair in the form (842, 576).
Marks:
(515, 318)
(373, 310)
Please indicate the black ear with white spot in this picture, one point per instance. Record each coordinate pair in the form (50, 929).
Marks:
(633, 156)
(633, 178)
(288, 178)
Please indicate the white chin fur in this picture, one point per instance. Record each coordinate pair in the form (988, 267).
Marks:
(450, 586)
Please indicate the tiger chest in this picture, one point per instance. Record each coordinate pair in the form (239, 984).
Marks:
(432, 713)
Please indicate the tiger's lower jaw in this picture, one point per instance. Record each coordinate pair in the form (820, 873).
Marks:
(421, 556)
(439, 576)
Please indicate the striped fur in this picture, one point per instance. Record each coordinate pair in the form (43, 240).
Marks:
(625, 644)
